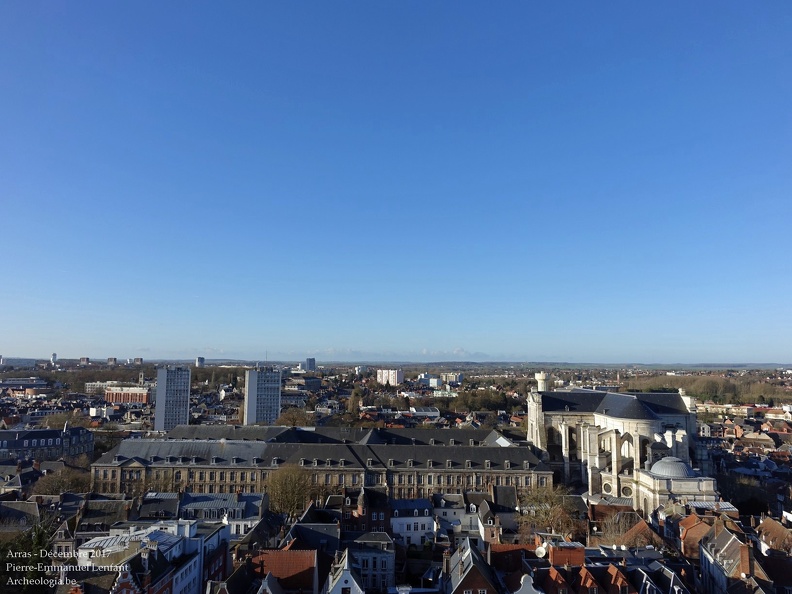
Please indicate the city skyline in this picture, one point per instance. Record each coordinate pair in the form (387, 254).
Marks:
(397, 182)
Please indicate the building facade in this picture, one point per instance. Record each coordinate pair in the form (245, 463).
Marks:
(173, 398)
(262, 395)
(128, 395)
(46, 444)
(406, 463)
(601, 439)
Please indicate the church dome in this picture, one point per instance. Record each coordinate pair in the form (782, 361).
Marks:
(672, 468)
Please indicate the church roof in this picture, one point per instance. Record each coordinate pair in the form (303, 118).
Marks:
(671, 467)
(625, 406)
(641, 406)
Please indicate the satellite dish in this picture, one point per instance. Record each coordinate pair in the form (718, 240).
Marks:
(541, 551)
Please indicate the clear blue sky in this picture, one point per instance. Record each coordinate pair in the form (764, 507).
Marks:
(601, 182)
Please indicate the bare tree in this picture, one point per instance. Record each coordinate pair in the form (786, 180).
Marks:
(289, 490)
(548, 509)
(294, 417)
(66, 480)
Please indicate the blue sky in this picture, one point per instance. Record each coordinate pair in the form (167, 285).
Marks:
(400, 181)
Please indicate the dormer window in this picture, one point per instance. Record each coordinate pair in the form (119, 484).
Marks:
(415, 513)
(328, 462)
(390, 463)
(487, 464)
(507, 464)
(526, 465)
(348, 501)
(467, 464)
(472, 508)
(426, 512)
(448, 464)
(370, 462)
(410, 462)
(315, 462)
(341, 462)
(215, 459)
(275, 462)
(395, 513)
(432, 441)
(302, 461)
(451, 441)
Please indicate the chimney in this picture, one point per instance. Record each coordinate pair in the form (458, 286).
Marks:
(446, 562)
(747, 558)
(144, 559)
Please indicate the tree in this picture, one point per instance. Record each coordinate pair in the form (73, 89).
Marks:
(288, 489)
(294, 417)
(548, 508)
(68, 479)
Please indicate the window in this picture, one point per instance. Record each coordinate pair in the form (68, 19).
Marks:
(592, 590)
(382, 515)
(482, 591)
(415, 513)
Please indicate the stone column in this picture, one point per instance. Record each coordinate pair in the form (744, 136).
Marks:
(564, 428)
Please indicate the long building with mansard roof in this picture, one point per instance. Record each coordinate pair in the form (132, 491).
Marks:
(408, 463)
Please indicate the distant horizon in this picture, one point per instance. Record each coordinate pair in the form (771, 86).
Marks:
(384, 362)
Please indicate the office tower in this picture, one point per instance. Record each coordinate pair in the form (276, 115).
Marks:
(262, 395)
(200, 361)
(310, 364)
(173, 398)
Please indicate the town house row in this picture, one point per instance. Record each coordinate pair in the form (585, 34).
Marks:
(231, 466)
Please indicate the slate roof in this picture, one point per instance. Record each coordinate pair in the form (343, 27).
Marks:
(469, 557)
(645, 406)
(625, 406)
(331, 435)
(187, 453)
(573, 401)
(14, 514)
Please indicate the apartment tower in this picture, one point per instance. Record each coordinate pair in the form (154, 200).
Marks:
(173, 398)
(262, 395)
